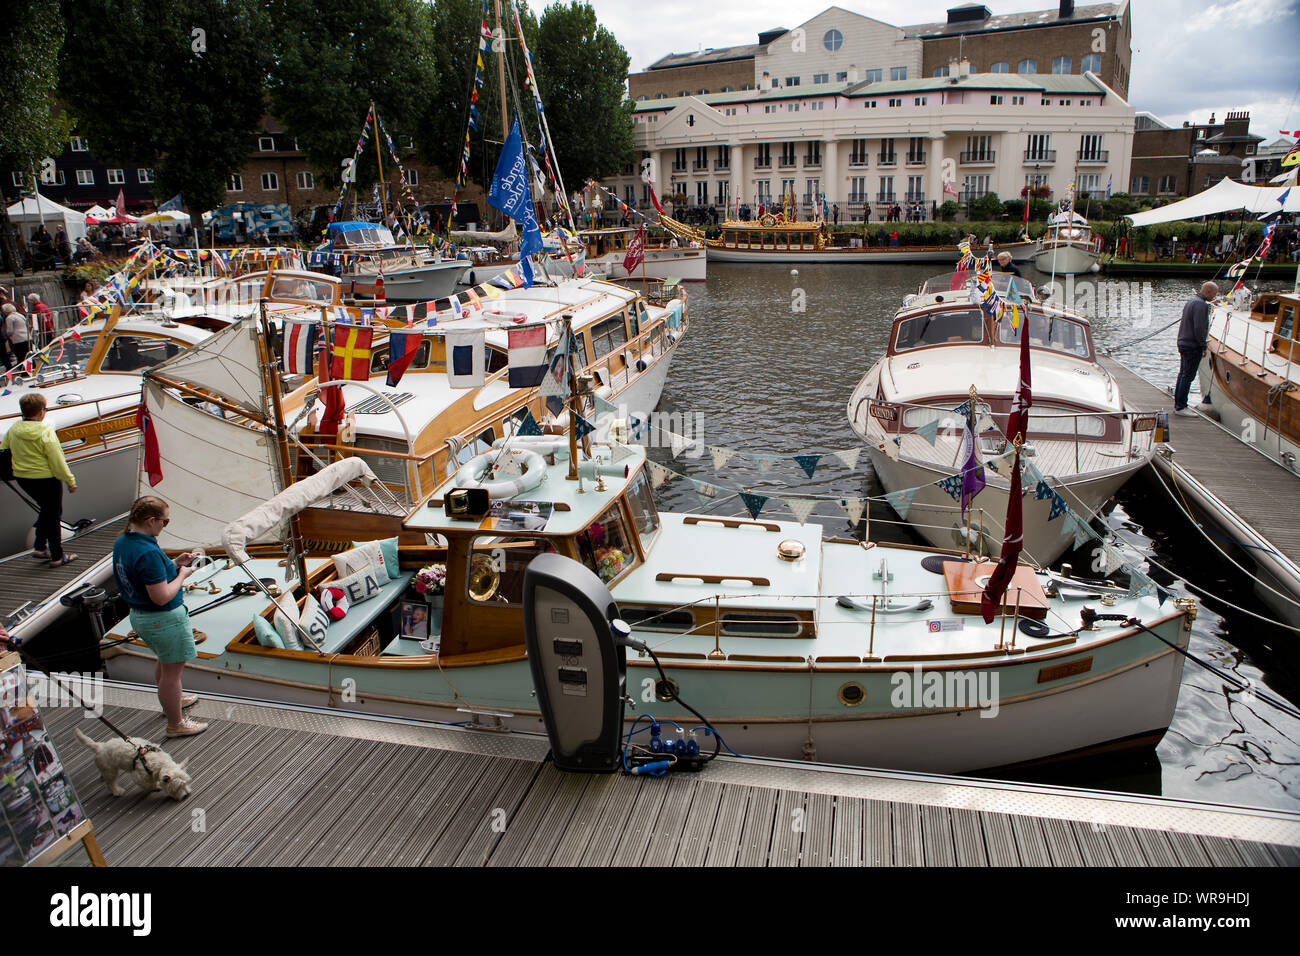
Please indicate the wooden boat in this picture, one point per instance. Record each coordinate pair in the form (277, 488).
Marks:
(792, 646)
(772, 238)
(411, 273)
(1250, 371)
(942, 349)
(1068, 247)
(605, 250)
(92, 386)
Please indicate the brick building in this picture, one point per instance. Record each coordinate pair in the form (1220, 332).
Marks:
(707, 71)
(1171, 162)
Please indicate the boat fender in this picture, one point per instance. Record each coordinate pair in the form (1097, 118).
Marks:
(641, 365)
(472, 472)
(335, 602)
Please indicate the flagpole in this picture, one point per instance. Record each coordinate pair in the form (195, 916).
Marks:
(379, 158)
(573, 401)
(271, 382)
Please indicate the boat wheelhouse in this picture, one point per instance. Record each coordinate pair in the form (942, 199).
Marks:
(1068, 247)
(771, 238)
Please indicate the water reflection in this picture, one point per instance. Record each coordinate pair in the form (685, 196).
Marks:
(768, 367)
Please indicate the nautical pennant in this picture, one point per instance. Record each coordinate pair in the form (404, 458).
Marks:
(300, 346)
(527, 351)
(1057, 508)
(351, 354)
(853, 508)
(929, 431)
(849, 457)
(720, 455)
(658, 474)
(582, 427)
(402, 349)
(808, 463)
(890, 447)
(901, 501)
(801, 508)
(528, 425)
(465, 359)
(753, 503)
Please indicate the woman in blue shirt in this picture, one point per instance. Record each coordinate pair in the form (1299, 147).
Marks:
(150, 584)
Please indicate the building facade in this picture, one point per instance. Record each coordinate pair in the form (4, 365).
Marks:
(876, 144)
(1177, 161)
(78, 180)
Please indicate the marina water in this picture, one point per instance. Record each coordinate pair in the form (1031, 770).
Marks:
(769, 367)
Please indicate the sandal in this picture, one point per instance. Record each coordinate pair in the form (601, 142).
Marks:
(66, 559)
(187, 728)
(43, 555)
(188, 701)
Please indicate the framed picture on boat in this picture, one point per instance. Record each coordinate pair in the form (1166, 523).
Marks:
(415, 620)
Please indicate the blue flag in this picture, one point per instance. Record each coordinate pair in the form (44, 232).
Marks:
(510, 194)
(172, 204)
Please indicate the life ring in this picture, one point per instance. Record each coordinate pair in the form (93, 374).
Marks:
(334, 602)
(542, 444)
(471, 473)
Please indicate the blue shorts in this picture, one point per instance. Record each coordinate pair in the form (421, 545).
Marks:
(167, 633)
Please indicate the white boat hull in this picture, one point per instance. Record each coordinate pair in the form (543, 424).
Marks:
(685, 265)
(1066, 259)
(106, 486)
(421, 283)
(858, 256)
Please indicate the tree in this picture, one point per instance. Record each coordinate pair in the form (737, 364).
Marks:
(181, 84)
(581, 69)
(333, 58)
(30, 129)
(985, 208)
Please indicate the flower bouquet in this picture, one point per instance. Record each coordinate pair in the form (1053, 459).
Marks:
(431, 580)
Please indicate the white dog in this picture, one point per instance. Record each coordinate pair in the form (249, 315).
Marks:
(154, 769)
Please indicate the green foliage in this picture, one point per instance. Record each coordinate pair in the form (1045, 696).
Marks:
(145, 87)
(581, 68)
(96, 271)
(1118, 206)
(332, 58)
(948, 211)
(31, 35)
(987, 206)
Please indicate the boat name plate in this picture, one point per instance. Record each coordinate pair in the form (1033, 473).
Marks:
(1069, 669)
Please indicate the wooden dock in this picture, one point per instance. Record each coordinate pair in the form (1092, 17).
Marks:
(24, 578)
(1245, 495)
(276, 785)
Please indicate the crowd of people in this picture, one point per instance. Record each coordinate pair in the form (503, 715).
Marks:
(24, 324)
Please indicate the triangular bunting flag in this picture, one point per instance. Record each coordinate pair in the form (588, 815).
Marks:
(529, 424)
(952, 485)
(1057, 508)
(890, 447)
(581, 427)
(853, 507)
(678, 444)
(985, 423)
(658, 473)
(1043, 491)
(704, 489)
(801, 508)
(929, 431)
(720, 455)
(901, 501)
(808, 463)
(849, 457)
(753, 503)
(765, 461)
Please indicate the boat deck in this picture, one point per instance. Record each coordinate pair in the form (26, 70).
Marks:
(1258, 490)
(24, 578)
(284, 786)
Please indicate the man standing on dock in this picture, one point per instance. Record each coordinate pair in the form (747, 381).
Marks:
(1193, 332)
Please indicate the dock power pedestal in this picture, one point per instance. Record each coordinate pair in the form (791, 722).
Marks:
(577, 651)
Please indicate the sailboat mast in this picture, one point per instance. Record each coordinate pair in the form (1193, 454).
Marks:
(501, 72)
(271, 382)
(379, 157)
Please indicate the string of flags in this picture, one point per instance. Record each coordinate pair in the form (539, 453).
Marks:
(1239, 270)
(356, 156)
(530, 83)
(462, 175)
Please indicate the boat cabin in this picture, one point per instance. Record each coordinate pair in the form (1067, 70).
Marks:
(1281, 310)
(772, 233)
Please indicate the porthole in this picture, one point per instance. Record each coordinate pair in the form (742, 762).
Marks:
(852, 694)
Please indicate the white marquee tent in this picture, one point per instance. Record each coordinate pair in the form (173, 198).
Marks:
(27, 215)
(1227, 195)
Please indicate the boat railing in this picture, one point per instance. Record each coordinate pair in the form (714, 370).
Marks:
(1084, 432)
(96, 402)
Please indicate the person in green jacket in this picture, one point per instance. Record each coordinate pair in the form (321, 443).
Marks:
(42, 471)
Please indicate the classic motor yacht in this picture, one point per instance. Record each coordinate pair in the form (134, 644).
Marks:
(1082, 436)
(1068, 246)
(771, 238)
(412, 273)
(682, 259)
(1249, 373)
(792, 646)
(92, 382)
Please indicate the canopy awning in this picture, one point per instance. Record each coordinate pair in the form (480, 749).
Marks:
(1227, 195)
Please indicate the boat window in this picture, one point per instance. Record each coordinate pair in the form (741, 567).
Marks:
(608, 335)
(657, 619)
(497, 359)
(76, 352)
(130, 353)
(379, 359)
(1270, 306)
(644, 313)
(641, 500)
(1049, 332)
(761, 625)
(940, 328)
(916, 417)
(633, 320)
(1287, 325)
(1064, 421)
(605, 545)
(300, 287)
(497, 565)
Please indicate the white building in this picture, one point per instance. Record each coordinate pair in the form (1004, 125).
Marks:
(857, 143)
(837, 47)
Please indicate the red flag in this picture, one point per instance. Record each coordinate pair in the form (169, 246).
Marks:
(332, 396)
(1012, 540)
(1018, 420)
(152, 458)
(635, 251)
(121, 208)
(352, 352)
(402, 348)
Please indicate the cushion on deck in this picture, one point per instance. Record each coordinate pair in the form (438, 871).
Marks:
(361, 616)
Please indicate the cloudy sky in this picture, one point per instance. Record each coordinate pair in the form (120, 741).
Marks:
(1190, 57)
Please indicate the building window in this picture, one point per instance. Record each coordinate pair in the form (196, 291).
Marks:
(940, 71)
(144, 175)
(842, 76)
(833, 40)
(1090, 149)
(1040, 148)
(1000, 67)
(1062, 102)
(78, 144)
(858, 189)
(1140, 186)
(769, 108)
(858, 153)
(1027, 66)
(59, 179)
(895, 102)
(898, 73)
(116, 177)
(411, 177)
(995, 99)
(1017, 101)
(236, 184)
(85, 177)
(792, 107)
(792, 81)
(729, 111)
(886, 193)
(1089, 184)
(821, 78)
(874, 76)
(16, 178)
(270, 182)
(869, 105)
(1046, 101)
(1085, 102)
(918, 100)
(817, 105)
(306, 181)
(1062, 64)
(266, 144)
(1091, 62)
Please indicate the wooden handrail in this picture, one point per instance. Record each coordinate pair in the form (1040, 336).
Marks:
(731, 522)
(668, 576)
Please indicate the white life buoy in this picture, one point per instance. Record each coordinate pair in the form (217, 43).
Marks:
(542, 444)
(471, 473)
(334, 601)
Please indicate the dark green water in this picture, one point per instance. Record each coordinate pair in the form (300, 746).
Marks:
(756, 374)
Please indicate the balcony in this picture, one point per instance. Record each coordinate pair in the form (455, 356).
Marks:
(886, 159)
(812, 162)
(916, 159)
(915, 197)
(722, 164)
(858, 198)
(1040, 157)
(700, 166)
(1093, 157)
(679, 167)
(977, 157)
(886, 197)
(970, 195)
(762, 163)
(857, 159)
(786, 162)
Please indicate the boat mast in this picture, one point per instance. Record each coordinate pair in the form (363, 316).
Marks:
(379, 157)
(271, 382)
